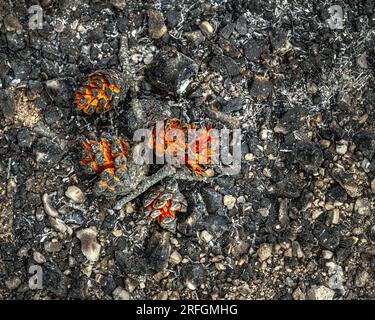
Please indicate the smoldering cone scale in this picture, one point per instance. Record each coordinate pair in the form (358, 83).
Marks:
(164, 201)
(108, 158)
(102, 91)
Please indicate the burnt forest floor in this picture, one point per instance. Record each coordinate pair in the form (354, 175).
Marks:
(297, 222)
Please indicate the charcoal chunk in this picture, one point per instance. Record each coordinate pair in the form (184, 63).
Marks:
(225, 65)
(158, 250)
(308, 156)
(253, 49)
(329, 238)
(365, 142)
(171, 71)
(7, 106)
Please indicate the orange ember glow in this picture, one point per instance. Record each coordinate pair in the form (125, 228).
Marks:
(201, 150)
(106, 150)
(96, 95)
(165, 211)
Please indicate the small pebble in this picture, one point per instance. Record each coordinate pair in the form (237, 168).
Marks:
(320, 293)
(175, 258)
(373, 186)
(206, 27)
(51, 211)
(206, 236)
(38, 257)
(229, 201)
(13, 283)
(120, 294)
(89, 245)
(156, 25)
(264, 252)
(74, 193)
(342, 147)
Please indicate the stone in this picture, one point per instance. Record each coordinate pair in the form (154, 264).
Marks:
(327, 254)
(229, 201)
(336, 279)
(148, 58)
(320, 293)
(58, 225)
(120, 294)
(335, 216)
(190, 224)
(156, 25)
(342, 147)
(206, 236)
(61, 90)
(373, 185)
(365, 142)
(52, 246)
(227, 30)
(48, 208)
(11, 188)
(362, 206)
(297, 250)
(290, 186)
(206, 27)
(54, 280)
(347, 182)
(38, 257)
(241, 25)
(89, 245)
(173, 18)
(195, 37)
(132, 262)
(13, 283)
(175, 258)
(11, 23)
(131, 284)
(220, 266)
(119, 4)
(25, 138)
(230, 48)
(264, 252)
(74, 193)
(371, 233)
(362, 60)
(298, 294)
(361, 279)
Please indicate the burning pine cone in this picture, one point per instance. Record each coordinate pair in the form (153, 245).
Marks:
(103, 90)
(204, 147)
(163, 202)
(109, 158)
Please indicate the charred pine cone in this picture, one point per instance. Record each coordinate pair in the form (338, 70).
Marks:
(109, 158)
(188, 152)
(163, 203)
(102, 90)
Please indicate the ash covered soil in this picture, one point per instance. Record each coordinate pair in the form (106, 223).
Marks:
(297, 222)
